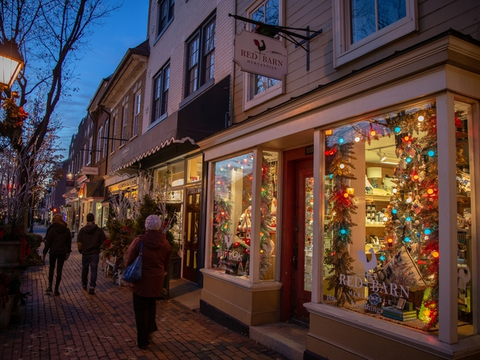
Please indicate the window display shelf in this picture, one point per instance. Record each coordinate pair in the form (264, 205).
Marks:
(377, 197)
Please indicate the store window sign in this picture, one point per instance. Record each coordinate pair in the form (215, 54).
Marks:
(261, 55)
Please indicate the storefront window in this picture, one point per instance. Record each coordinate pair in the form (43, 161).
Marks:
(381, 221)
(194, 169)
(233, 215)
(176, 173)
(464, 219)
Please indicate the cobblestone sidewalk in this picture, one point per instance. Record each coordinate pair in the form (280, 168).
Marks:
(76, 325)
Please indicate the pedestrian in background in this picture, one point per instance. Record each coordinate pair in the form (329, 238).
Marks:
(155, 259)
(89, 240)
(58, 241)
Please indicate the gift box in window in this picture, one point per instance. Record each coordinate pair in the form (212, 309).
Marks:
(237, 257)
(399, 278)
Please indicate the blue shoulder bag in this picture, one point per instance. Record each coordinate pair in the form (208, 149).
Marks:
(133, 272)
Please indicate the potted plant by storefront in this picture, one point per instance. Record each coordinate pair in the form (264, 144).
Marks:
(19, 298)
(6, 299)
(10, 247)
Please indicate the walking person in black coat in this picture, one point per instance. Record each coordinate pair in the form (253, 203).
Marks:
(58, 241)
(89, 239)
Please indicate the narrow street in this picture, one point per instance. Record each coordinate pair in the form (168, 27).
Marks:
(76, 325)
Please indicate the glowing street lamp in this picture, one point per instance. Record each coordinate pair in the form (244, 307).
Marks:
(11, 62)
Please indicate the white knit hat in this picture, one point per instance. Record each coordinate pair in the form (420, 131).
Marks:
(152, 222)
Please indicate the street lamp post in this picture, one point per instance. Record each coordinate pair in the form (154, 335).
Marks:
(11, 63)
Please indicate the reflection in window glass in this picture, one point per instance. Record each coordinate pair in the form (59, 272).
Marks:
(381, 226)
(369, 16)
(233, 215)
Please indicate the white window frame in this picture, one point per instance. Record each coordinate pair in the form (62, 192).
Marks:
(136, 114)
(124, 124)
(167, 16)
(344, 51)
(98, 150)
(248, 79)
(196, 64)
(105, 140)
(114, 145)
(161, 88)
(89, 151)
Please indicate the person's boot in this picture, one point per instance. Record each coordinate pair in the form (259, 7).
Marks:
(92, 291)
(56, 293)
(49, 289)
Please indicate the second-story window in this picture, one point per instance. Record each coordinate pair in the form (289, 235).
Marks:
(98, 150)
(161, 85)
(89, 152)
(136, 114)
(105, 139)
(165, 14)
(114, 128)
(124, 124)
(267, 13)
(361, 26)
(200, 57)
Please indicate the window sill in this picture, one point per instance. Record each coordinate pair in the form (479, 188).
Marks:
(264, 285)
(394, 332)
(163, 31)
(263, 97)
(197, 93)
(156, 122)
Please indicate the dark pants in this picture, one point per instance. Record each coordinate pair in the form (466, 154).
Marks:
(90, 262)
(145, 311)
(56, 261)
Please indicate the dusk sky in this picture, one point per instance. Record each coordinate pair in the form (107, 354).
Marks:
(123, 29)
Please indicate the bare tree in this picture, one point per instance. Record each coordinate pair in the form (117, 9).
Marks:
(50, 35)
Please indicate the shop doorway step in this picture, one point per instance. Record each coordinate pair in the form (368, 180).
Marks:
(285, 338)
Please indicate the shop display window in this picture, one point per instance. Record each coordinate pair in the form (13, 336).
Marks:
(194, 169)
(233, 213)
(175, 172)
(464, 219)
(381, 217)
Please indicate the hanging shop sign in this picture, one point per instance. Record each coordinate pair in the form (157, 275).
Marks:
(259, 54)
(81, 180)
(88, 170)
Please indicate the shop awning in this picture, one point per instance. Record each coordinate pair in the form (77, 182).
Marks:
(95, 189)
(196, 119)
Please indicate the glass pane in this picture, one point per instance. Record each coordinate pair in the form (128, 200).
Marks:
(390, 11)
(465, 253)
(381, 226)
(308, 233)
(268, 231)
(194, 169)
(232, 215)
(267, 13)
(363, 22)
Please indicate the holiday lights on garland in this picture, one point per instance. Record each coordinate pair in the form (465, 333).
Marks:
(411, 219)
(341, 224)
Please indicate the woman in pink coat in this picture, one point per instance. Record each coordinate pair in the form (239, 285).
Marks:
(155, 258)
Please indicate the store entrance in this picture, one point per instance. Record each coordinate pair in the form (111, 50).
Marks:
(302, 245)
(190, 245)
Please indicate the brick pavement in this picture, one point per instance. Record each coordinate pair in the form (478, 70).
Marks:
(76, 325)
